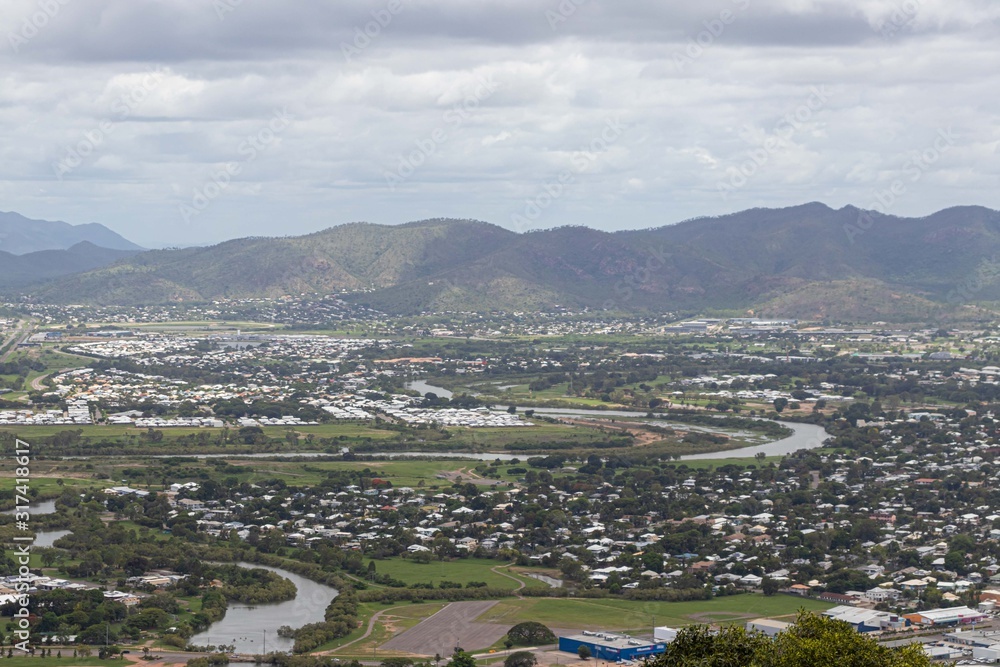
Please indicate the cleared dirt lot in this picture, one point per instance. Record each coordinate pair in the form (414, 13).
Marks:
(452, 626)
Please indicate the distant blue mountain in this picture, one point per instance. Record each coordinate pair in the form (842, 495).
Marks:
(22, 271)
(20, 235)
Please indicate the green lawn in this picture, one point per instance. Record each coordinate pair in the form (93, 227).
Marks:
(350, 430)
(395, 618)
(638, 616)
(20, 660)
(712, 464)
(402, 472)
(50, 486)
(459, 571)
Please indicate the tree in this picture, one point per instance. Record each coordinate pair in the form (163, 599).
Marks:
(770, 586)
(780, 403)
(814, 641)
(584, 652)
(397, 662)
(955, 560)
(461, 659)
(521, 659)
(530, 633)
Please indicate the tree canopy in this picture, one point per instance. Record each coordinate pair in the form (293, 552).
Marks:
(520, 659)
(814, 641)
(530, 633)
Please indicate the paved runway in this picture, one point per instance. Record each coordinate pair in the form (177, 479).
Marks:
(452, 626)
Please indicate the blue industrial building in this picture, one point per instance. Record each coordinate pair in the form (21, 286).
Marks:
(611, 647)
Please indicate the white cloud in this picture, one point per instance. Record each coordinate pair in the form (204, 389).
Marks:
(220, 80)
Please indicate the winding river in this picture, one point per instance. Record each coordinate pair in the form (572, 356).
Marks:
(250, 627)
(46, 538)
(246, 626)
(804, 436)
(424, 389)
(41, 507)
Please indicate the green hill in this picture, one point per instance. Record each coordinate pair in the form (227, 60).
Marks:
(804, 261)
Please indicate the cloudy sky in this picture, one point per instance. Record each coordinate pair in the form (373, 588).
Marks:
(181, 122)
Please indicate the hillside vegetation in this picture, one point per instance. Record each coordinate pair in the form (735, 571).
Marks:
(807, 261)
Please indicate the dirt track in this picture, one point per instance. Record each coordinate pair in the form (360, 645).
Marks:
(452, 626)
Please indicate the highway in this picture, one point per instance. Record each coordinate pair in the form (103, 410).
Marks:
(21, 334)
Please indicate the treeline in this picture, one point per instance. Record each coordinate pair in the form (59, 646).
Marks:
(340, 620)
(422, 594)
(462, 594)
(21, 366)
(765, 426)
(254, 586)
(646, 595)
(313, 571)
(612, 442)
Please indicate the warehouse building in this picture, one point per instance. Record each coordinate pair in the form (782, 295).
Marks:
(612, 647)
(867, 620)
(949, 616)
(664, 635)
(768, 626)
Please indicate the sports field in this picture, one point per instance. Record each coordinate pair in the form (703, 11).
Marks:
(602, 614)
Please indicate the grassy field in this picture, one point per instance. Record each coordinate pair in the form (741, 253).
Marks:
(394, 619)
(625, 615)
(459, 571)
(50, 486)
(66, 661)
(438, 473)
(179, 325)
(333, 430)
(712, 464)
(412, 473)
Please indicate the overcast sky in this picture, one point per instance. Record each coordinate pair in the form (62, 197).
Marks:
(193, 121)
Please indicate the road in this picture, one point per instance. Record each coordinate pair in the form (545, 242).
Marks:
(371, 628)
(520, 584)
(37, 385)
(17, 338)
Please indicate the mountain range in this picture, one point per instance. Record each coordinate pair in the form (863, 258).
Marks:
(808, 261)
(20, 235)
(34, 251)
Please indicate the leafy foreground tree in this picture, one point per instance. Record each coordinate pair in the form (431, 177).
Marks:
(461, 659)
(521, 659)
(814, 641)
